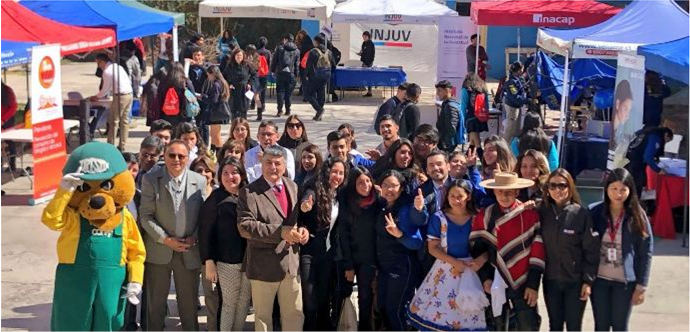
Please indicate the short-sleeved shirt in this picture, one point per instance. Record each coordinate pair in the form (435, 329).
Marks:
(458, 236)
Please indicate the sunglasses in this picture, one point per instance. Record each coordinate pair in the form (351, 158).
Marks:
(177, 156)
(294, 125)
(559, 186)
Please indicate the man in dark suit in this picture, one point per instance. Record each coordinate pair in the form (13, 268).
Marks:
(171, 197)
(268, 220)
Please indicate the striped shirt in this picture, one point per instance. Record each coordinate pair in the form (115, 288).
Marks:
(516, 240)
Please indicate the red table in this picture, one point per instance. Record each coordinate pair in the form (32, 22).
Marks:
(670, 193)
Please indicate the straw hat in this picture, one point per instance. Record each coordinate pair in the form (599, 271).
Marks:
(507, 181)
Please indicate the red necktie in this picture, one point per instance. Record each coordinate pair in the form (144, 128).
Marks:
(282, 198)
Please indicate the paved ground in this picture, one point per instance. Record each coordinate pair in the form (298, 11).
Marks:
(29, 255)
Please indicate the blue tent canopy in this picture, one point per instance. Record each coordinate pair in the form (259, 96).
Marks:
(670, 59)
(130, 22)
(16, 53)
(584, 73)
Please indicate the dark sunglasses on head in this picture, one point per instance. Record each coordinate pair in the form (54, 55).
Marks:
(294, 125)
(559, 186)
(177, 156)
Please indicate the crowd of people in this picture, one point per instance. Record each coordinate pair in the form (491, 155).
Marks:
(433, 237)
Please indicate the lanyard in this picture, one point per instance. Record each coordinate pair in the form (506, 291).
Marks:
(613, 228)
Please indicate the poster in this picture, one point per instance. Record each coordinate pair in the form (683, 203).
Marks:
(628, 105)
(46, 117)
(453, 38)
(413, 47)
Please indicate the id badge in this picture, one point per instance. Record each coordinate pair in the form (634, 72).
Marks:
(611, 254)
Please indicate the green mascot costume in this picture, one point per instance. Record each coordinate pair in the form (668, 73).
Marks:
(100, 251)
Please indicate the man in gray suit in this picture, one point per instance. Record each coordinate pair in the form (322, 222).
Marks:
(267, 218)
(171, 197)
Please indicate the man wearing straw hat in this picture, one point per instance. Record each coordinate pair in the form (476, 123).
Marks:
(508, 235)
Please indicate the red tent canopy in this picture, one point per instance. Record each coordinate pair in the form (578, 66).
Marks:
(21, 24)
(541, 13)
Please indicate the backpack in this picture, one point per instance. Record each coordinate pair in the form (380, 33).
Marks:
(480, 109)
(303, 62)
(171, 103)
(192, 107)
(399, 111)
(288, 58)
(459, 131)
(263, 67)
(323, 62)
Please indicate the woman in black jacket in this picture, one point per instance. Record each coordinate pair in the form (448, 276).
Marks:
(222, 248)
(625, 258)
(356, 236)
(240, 75)
(318, 212)
(215, 96)
(572, 249)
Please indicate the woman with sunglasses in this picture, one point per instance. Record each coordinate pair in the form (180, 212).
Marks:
(239, 131)
(206, 167)
(572, 251)
(294, 136)
(222, 248)
(397, 242)
(625, 258)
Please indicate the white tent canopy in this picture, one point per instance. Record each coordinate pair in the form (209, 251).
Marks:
(285, 9)
(640, 23)
(427, 12)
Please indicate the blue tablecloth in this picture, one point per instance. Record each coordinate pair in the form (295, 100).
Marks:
(362, 76)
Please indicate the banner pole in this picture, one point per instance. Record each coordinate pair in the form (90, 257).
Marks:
(561, 120)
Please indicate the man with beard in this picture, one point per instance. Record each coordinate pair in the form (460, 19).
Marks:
(389, 132)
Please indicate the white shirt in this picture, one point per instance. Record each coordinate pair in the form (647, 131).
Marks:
(123, 85)
(252, 163)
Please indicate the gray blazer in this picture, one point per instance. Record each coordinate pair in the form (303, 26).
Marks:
(260, 219)
(157, 215)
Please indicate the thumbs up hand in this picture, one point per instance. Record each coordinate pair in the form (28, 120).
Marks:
(419, 200)
(307, 204)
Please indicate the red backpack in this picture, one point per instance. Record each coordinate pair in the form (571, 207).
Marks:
(171, 105)
(263, 66)
(480, 110)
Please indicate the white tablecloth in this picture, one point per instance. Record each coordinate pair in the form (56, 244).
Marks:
(27, 134)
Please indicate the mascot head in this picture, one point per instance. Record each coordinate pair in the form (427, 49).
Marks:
(108, 185)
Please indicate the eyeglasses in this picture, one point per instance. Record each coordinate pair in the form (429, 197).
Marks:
(294, 125)
(425, 141)
(386, 186)
(559, 186)
(148, 155)
(177, 156)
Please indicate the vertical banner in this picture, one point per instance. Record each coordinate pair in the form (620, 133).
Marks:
(628, 104)
(413, 47)
(453, 38)
(46, 118)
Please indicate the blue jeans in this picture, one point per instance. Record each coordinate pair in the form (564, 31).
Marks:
(397, 280)
(285, 85)
(315, 92)
(611, 304)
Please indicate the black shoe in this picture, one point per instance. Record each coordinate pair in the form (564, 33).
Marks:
(318, 116)
(287, 112)
(334, 98)
(259, 118)
(367, 95)
(280, 113)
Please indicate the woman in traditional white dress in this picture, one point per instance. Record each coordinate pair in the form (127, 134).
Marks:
(451, 297)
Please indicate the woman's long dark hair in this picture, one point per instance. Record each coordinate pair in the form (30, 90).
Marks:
(313, 149)
(239, 166)
(533, 136)
(325, 195)
(471, 205)
(176, 78)
(188, 128)
(350, 189)
(225, 87)
(387, 161)
(631, 205)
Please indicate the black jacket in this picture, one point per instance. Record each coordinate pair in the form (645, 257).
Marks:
(239, 75)
(313, 58)
(219, 238)
(514, 92)
(356, 234)
(447, 125)
(386, 108)
(637, 251)
(197, 74)
(286, 59)
(316, 246)
(571, 243)
(408, 120)
(367, 53)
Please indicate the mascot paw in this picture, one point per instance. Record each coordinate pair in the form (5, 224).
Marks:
(133, 289)
(71, 181)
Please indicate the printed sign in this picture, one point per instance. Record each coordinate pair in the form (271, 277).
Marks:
(628, 104)
(453, 38)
